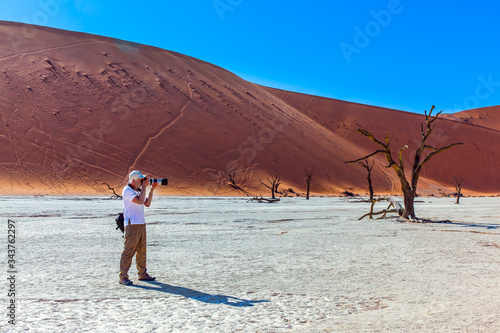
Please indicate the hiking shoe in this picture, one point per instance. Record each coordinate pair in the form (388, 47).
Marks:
(126, 282)
(146, 277)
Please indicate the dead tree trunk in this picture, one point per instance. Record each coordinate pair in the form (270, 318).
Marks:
(308, 180)
(409, 189)
(458, 187)
(409, 200)
(274, 182)
(369, 168)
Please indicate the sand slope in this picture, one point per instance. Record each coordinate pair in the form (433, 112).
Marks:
(78, 110)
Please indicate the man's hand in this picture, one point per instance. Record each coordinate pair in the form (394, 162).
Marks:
(154, 185)
(147, 203)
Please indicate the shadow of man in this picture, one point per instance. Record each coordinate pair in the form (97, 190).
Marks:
(198, 295)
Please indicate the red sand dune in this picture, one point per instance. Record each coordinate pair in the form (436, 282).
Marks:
(78, 110)
(488, 117)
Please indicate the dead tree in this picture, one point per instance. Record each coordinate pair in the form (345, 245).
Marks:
(308, 180)
(409, 188)
(458, 187)
(274, 182)
(365, 164)
(233, 183)
(115, 195)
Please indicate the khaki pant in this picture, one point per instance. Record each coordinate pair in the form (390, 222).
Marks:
(135, 244)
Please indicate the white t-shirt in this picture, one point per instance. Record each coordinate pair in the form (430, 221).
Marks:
(131, 210)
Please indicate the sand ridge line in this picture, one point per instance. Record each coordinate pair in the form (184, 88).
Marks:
(106, 143)
(13, 104)
(51, 48)
(14, 150)
(388, 174)
(95, 166)
(170, 123)
(92, 150)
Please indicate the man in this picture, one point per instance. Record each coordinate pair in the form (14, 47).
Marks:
(134, 200)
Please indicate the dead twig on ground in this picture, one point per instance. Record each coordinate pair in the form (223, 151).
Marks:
(261, 199)
(397, 208)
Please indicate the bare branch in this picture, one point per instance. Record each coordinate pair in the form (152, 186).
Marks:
(268, 186)
(365, 164)
(429, 128)
(115, 195)
(457, 183)
(309, 173)
(435, 117)
(429, 147)
(391, 164)
(386, 151)
(231, 177)
(430, 121)
(274, 183)
(233, 183)
(384, 211)
(386, 138)
(371, 137)
(400, 156)
(366, 157)
(430, 112)
(437, 152)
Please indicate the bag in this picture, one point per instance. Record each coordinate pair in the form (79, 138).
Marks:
(120, 222)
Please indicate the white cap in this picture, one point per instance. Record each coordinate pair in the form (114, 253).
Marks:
(136, 174)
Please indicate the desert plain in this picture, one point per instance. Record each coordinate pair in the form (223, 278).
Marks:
(227, 265)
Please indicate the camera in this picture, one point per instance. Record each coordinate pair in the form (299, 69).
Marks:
(161, 181)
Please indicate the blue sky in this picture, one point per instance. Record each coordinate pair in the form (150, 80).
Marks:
(402, 54)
